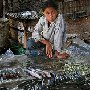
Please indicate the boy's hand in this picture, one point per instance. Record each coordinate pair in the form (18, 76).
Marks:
(49, 49)
(61, 55)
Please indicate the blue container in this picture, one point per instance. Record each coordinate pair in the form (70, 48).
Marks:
(36, 52)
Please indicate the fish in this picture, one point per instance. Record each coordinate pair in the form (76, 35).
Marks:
(32, 73)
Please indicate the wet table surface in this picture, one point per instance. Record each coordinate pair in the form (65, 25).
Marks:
(58, 74)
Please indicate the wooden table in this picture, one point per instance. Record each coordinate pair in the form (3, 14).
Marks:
(16, 17)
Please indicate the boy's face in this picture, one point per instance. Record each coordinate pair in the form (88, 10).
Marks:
(50, 13)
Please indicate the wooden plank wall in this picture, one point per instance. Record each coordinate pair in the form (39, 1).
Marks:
(1, 8)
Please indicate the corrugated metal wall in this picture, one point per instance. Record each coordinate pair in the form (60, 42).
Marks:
(75, 8)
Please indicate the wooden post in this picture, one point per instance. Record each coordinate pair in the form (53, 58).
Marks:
(13, 33)
(25, 33)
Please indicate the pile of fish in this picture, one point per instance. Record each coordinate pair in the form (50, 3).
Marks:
(9, 74)
(73, 74)
(45, 80)
(39, 79)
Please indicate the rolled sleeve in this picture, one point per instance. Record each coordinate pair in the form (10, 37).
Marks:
(36, 36)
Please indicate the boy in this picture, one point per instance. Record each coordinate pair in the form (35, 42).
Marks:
(50, 30)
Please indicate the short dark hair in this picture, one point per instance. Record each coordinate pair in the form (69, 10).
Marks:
(49, 3)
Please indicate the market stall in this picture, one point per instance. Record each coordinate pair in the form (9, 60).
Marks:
(32, 72)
